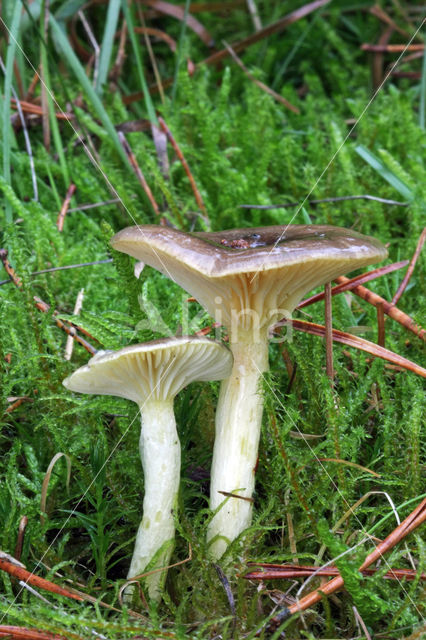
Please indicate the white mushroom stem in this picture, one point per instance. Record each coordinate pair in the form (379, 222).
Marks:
(160, 454)
(238, 423)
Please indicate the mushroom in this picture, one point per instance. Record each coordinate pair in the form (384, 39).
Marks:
(151, 375)
(247, 279)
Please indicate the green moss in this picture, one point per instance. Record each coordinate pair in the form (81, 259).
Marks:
(321, 450)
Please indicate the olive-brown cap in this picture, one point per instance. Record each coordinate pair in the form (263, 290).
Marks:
(261, 269)
(155, 370)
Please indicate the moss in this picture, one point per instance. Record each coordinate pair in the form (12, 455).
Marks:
(365, 438)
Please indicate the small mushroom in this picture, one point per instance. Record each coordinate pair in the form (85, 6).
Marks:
(151, 375)
(247, 279)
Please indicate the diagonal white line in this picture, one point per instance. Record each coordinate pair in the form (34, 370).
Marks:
(335, 154)
(84, 145)
(88, 488)
(362, 528)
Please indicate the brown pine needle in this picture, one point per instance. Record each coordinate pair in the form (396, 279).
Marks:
(348, 463)
(269, 571)
(353, 282)
(227, 494)
(410, 269)
(391, 48)
(169, 9)
(380, 325)
(150, 52)
(181, 157)
(35, 109)
(359, 343)
(23, 522)
(63, 268)
(24, 633)
(19, 572)
(9, 269)
(70, 329)
(381, 14)
(258, 83)
(328, 321)
(388, 308)
(156, 33)
(17, 403)
(138, 172)
(65, 206)
(414, 520)
(275, 27)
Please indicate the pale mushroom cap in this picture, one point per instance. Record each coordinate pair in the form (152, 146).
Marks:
(156, 370)
(263, 269)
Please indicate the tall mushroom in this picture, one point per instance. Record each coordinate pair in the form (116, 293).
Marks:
(247, 279)
(151, 375)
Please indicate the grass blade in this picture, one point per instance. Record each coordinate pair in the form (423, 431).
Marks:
(91, 95)
(46, 84)
(388, 175)
(7, 132)
(180, 48)
(422, 105)
(107, 44)
(136, 50)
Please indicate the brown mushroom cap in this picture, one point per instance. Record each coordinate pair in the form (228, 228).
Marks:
(156, 370)
(260, 269)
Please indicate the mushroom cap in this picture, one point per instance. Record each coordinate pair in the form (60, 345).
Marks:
(260, 269)
(154, 371)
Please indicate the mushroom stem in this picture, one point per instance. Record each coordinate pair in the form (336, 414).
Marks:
(238, 423)
(160, 454)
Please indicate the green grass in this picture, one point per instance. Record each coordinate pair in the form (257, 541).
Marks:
(242, 148)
